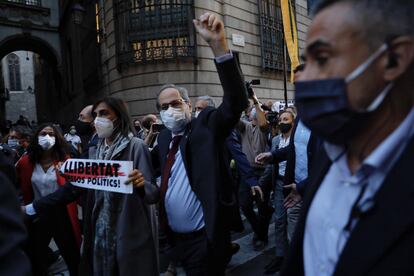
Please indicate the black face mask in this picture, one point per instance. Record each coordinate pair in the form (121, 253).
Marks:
(323, 105)
(83, 128)
(137, 128)
(284, 128)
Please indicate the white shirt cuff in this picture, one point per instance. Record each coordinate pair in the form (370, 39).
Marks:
(224, 58)
(30, 210)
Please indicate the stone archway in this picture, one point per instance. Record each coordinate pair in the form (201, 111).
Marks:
(30, 43)
(48, 79)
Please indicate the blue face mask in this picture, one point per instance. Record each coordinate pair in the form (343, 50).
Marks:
(13, 143)
(323, 105)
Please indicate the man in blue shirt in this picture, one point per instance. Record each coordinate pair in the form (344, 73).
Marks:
(196, 191)
(356, 93)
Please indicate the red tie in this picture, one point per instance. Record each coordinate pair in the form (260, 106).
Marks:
(169, 163)
(166, 176)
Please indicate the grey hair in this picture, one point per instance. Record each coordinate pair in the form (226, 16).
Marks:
(183, 93)
(208, 99)
(379, 20)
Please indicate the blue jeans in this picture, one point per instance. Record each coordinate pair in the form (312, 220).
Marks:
(280, 220)
(285, 220)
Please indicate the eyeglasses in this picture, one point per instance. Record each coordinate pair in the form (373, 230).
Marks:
(174, 104)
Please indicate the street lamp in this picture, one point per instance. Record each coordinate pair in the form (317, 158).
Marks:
(78, 12)
(30, 90)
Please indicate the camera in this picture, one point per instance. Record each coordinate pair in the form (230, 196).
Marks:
(157, 127)
(249, 88)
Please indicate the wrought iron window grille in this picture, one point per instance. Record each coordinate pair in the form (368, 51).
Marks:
(151, 31)
(37, 3)
(271, 34)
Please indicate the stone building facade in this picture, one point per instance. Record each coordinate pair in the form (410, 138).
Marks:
(18, 74)
(134, 72)
(32, 26)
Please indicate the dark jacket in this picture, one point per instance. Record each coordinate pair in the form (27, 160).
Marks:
(289, 154)
(382, 241)
(201, 148)
(7, 158)
(13, 234)
(244, 169)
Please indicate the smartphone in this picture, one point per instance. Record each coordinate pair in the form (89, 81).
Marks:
(157, 127)
(249, 88)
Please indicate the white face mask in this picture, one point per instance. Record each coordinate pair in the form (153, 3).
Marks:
(46, 142)
(197, 113)
(104, 127)
(175, 119)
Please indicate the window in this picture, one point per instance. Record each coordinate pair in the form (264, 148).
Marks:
(151, 31)
(14, 72)
(271, 32)
(27, 2)
(99, 12)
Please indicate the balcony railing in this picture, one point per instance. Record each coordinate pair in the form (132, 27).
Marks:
(36, 3)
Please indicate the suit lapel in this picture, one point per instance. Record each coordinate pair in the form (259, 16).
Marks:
(184, 147)
(164, 146)
(379, 230)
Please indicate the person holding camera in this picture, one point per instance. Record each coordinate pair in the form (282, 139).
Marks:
(254, 141)
(150, 130)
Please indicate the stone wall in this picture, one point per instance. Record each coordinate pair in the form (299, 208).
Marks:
(138, 84)
(21, 102)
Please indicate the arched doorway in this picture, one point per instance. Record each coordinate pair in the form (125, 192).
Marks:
(43, 90)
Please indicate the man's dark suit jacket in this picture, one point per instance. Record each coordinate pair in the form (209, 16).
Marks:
(289, 154)
(202, 150)
(382, 242)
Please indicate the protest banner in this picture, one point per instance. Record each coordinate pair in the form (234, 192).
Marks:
(105, 175)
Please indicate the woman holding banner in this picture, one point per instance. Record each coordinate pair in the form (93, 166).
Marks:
(120, 229)
(38, 177)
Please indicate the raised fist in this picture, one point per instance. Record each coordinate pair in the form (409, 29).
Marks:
(211, 29)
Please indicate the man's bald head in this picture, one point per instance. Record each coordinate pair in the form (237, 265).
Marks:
(86, 114)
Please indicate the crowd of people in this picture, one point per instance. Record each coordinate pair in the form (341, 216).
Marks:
(333, 171)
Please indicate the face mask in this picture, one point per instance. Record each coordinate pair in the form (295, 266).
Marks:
(12, 143)
(175, 119)
(323, 104)
(46, 142)
(72, 131)
(84, 128)
(253, 114)
(196, 114)
(104, 127)
(284, 128)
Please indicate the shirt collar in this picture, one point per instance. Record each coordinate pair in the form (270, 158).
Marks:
(380, 157)
(177, 134)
